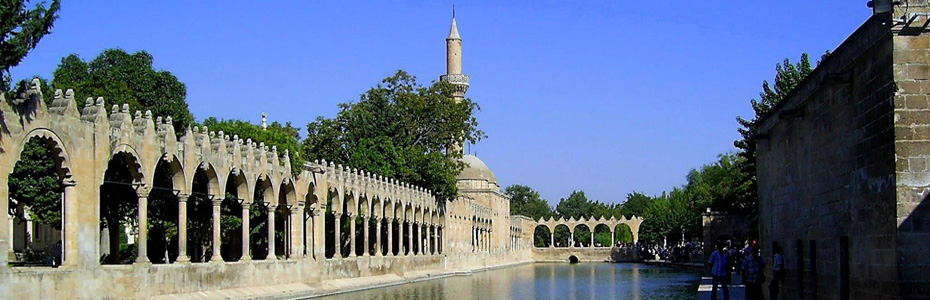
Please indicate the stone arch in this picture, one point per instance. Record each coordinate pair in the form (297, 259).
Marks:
(235, 198)
(264, 196)
(283, 224)
(287, 194)
(562, 236)
(119, 207)
(623, 234)
(212, 179)
(542, 236)
(58, 148)
(581, 234)
(27, 235)
(134, 161)
(602, 235)
(167, 181)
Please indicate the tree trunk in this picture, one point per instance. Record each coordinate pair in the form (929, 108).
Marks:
(114, 229)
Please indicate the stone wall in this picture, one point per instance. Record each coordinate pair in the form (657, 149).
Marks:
(842, 168)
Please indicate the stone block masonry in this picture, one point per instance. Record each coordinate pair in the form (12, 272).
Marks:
(843, 168)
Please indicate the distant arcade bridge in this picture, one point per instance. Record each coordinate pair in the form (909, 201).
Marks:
(578, 239)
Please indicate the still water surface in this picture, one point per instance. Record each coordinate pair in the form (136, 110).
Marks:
(548, 281)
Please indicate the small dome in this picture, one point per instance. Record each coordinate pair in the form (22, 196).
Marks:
(476, 170)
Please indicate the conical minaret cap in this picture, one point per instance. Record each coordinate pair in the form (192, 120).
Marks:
(454, 31)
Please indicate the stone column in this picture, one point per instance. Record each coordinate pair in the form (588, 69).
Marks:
(182, 229)
(337, 241)
(378, 237)
(592, 240)
(142, 243)
(216, 257)
(297, 230)
(552, 239)
(319, 232)
(351, 219)
(246, 256)
(571, 239)
(271, 255)
(612, 242)
(365, 244)
(420, 239)
(69, 232)
(391, 236)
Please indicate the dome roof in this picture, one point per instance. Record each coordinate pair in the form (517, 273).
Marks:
(476, 170)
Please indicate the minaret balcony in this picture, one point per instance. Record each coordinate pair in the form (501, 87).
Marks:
(455, 79)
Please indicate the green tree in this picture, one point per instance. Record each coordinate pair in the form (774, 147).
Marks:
(34, 184)
(636, 204)
(21, 29)
(400, 129)
(123, 78)
(787, 77)
(525, 201)
(721, 186)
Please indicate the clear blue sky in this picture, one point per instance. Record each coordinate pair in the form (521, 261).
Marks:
(606, 97)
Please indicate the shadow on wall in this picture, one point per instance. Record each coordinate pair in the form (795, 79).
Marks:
(913, 246)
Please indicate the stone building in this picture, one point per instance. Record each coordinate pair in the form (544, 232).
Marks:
(843, 167)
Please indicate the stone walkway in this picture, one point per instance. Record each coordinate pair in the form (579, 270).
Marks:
(737, 290)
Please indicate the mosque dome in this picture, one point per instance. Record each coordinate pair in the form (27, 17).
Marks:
(476, 170)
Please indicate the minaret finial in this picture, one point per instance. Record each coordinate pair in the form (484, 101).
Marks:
(453, 10)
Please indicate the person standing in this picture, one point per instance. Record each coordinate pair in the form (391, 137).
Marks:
(778, 273)
(718, 271)
(753, 278)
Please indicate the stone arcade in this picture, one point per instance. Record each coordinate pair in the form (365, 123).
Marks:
(405, 233)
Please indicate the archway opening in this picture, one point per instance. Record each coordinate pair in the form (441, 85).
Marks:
(163, 213)
(395, 236)
(282, 219)
(200, 214)
(542, 237)
(359, 234)
(573, 259)
(35, 205)
(349, 214)
(623, 235)
(262, 197)
(231, 217)
(582, 236)
(602, 236)
(562, 236)
(119, 206)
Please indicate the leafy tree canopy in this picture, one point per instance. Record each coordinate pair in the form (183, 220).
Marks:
(123, 78)
(21, 29)
(525, 201)
(400, 129)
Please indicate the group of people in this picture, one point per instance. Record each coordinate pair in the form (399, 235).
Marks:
(750, 265)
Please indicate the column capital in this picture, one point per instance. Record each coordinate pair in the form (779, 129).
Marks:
(271, 207)
(217, 202)
(69, 182)
(182, 197)
(143, 191)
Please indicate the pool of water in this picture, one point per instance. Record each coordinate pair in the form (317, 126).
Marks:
(548, 281)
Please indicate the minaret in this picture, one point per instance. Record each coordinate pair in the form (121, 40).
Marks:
(454, 62)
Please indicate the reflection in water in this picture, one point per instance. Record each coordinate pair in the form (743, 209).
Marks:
(548, 281)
